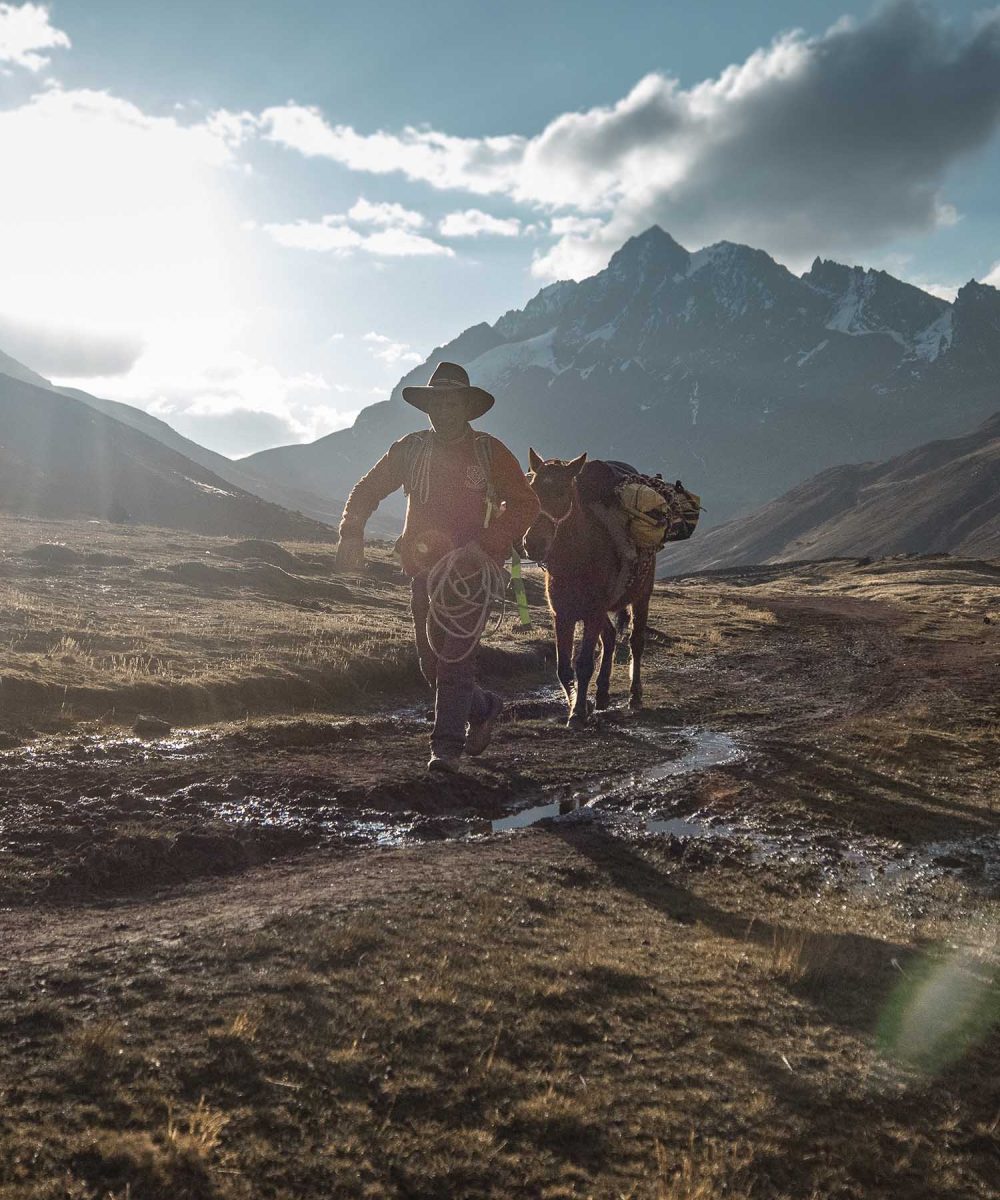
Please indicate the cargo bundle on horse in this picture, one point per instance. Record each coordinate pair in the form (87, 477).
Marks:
(597, 534)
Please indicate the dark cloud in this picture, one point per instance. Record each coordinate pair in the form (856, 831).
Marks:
(825, 144)
(68, 352)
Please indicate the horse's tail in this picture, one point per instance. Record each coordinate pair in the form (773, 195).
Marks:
(623, 619)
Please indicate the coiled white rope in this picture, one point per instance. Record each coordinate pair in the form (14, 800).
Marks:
(462, 588)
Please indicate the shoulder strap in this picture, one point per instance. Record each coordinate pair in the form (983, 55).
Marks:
(484, 456)
(417, 471)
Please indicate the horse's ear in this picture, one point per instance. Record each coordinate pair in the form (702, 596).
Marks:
(577, 463)
(534, 461)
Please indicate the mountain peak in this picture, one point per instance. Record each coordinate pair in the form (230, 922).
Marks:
(974, 291)
(654, 250)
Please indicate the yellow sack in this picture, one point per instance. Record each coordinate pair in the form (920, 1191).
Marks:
(655, 517)
(648, 514)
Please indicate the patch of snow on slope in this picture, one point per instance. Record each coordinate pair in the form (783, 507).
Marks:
(207, 487)
(850, 315)
(936, 338)
(806, 355)
(846, 317)
(549, 302)
(496, 364)
(604, 334)
(705, 257)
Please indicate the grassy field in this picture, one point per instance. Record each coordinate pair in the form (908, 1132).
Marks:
(106, 622)
(265, 956)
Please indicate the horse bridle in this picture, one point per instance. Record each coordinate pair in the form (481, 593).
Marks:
(555, 522)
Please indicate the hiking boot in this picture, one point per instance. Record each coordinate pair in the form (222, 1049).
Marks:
(444, 763)
(480, 734)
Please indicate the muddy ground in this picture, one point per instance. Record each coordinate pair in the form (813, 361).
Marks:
(743, 943)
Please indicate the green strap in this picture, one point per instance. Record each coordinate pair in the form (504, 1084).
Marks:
(519, 592)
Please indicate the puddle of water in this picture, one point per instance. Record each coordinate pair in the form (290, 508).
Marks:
(107, 751)
(864, 862)
(688, 827)
(531, 816)
(706, 748)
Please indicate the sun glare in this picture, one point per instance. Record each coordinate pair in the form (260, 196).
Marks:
(111, 216)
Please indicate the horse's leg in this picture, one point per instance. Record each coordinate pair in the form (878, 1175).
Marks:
(592, 627)
(564, 655)
(637, 641)
(609, 637)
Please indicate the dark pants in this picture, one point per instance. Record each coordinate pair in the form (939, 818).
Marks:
(458, 699)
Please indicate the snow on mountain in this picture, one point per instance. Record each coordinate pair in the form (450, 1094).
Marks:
(936, 338)
(497, 363)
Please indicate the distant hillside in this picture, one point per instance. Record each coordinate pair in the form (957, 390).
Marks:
(61, 458)
(288, 496)
(720, 367)
(943, 496)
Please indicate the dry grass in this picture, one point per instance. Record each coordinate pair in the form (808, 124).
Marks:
(113, 640)
(703, 1171)
(491, 1032)
(197, 1134)
(558, 1014)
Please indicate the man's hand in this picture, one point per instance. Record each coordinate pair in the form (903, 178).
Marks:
(351, 552)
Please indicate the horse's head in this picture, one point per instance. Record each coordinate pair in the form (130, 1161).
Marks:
(552, 482)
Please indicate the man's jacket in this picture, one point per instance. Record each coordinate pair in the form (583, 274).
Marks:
(450, 488)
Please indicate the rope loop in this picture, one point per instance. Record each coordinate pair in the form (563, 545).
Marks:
(462, 588)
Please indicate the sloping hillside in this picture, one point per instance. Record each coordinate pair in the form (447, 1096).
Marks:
(288, 496)
(943, 496)
(61, 458)
(720, 367)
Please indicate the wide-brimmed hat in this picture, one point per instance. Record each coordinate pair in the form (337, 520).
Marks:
(450, 377)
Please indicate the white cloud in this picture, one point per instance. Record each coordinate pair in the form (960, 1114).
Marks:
(574, 226)
(390, 352)
(24, 30)
(993, 276)
(231, 401)
(387, 214)
(399, 243)
(481, 165)
(108, 212)
(837, 143)
(331, 235)
(326, 235)
(473, 222)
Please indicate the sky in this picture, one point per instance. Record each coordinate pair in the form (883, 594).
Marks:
(251, 219)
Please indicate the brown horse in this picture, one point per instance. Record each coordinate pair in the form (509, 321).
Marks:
(582, 572)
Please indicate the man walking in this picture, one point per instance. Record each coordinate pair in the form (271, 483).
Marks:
(464, 488)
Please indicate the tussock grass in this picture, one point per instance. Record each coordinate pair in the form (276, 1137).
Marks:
(705, 1171)
(119, 634)
(195, 1135)
(487, 1030)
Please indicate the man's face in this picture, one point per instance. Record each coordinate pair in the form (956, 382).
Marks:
(447, 414)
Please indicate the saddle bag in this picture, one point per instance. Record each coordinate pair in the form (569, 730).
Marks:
(658, 512)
